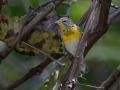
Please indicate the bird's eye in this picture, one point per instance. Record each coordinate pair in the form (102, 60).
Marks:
(64, 20)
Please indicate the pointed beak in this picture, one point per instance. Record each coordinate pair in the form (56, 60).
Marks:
(57, 22)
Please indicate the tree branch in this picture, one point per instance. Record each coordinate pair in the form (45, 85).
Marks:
(34, 71)
(62, 64)
(114, 6)
(100, 30)
(1, 3)
(84, 17)
(28, 28)
(69, 81)
(117, 87)
(111, 79)
(113, 15)
(102, 26)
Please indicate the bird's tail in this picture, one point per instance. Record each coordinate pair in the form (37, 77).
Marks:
(83, 68)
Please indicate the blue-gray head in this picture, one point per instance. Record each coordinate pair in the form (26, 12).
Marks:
(67, 22)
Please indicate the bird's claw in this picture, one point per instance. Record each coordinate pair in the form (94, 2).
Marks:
(81, 76)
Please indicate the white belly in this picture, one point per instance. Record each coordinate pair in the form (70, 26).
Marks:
(71, 47)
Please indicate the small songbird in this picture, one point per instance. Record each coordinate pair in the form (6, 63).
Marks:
(70, 35)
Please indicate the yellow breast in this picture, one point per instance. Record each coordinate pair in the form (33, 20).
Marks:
(71, 34)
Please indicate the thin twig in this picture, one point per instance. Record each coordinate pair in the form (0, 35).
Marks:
(23, 25)
(114, 6)
(68, 7)
(26, 31)
(62, 64)
(28, 28)
(28, 15)
(90, 86)
(41, 6)
(68, 4)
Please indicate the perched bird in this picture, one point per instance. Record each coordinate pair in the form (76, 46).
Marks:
(70, 36)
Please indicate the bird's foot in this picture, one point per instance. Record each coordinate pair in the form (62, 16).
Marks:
(81, 76)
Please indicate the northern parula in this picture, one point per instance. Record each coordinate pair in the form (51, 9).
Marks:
(70, 35)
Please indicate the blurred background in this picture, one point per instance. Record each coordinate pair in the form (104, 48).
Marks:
(102, 59)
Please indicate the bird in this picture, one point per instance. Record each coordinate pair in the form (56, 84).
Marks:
(70, 34)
